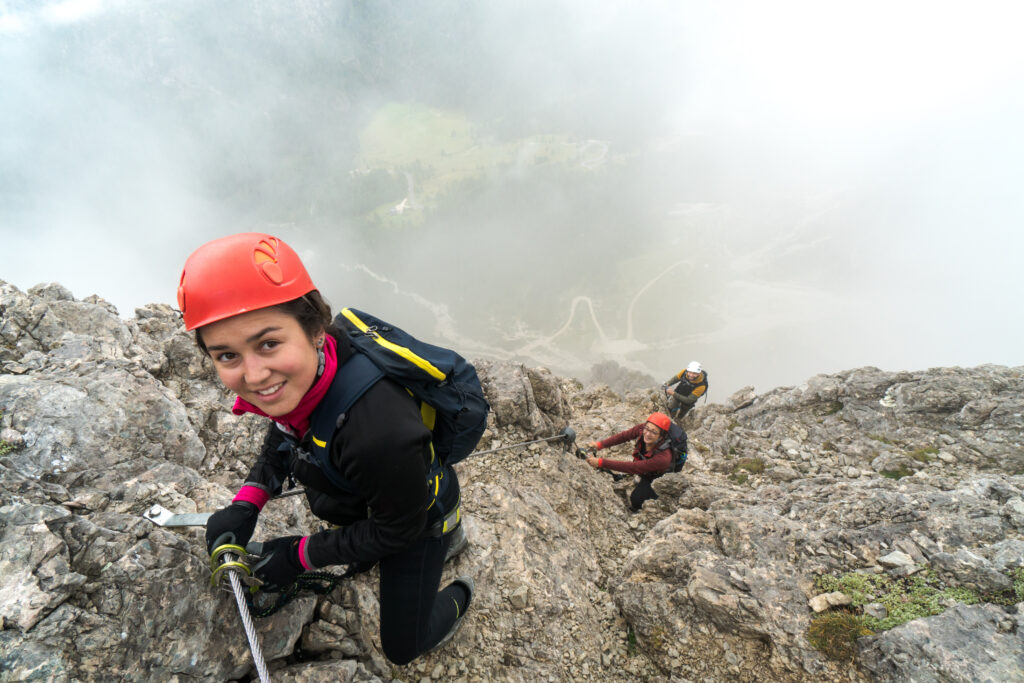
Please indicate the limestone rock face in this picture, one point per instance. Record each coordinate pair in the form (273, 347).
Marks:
(510, 389)
(964, 643)
(859, 471)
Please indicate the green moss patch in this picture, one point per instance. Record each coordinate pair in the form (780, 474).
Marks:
(910, 597)
(923, 454)
(5, 446)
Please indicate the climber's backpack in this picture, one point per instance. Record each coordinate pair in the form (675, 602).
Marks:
(677, 442)
(452, 402)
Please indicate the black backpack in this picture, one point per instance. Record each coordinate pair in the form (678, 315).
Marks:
(677, 442)
(452, 402)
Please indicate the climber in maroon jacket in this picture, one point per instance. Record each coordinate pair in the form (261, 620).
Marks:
(652, 455)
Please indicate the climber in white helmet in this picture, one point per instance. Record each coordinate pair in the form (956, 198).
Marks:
(684, 389)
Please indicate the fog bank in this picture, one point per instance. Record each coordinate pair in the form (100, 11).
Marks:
(775, 190)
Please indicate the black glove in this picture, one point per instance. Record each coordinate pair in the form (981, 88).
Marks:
(278, 564)
(233, 524)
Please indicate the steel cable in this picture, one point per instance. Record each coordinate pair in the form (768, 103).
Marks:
(568, 435)
(250, 628)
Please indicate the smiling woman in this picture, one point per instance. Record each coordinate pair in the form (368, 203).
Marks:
(265, 357)
(652, 456)
(258, 316)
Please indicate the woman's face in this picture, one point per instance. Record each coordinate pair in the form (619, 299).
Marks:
(263, 356)
(651, 434)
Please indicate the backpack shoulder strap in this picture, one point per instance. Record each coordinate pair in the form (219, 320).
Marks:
(352, 379)
(356, 320)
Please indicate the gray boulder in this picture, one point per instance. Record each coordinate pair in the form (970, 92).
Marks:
(964, 643)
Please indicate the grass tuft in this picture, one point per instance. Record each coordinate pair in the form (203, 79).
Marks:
(835, 634)
(752, 465)
(744, 467)
(899, 473)
(631, 646)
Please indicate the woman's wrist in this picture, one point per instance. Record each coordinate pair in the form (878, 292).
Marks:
(252, 494)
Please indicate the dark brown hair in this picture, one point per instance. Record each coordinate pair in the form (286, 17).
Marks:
(310, 310)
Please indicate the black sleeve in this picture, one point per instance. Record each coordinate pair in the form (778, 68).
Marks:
(382, 450)
(271, 468)
(684, 387)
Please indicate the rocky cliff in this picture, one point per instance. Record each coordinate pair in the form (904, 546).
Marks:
(864, 500)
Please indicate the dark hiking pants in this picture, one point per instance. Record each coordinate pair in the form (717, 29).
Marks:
(413, 615)
(643, 491)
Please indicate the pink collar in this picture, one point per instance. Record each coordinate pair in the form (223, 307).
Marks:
(297, 421)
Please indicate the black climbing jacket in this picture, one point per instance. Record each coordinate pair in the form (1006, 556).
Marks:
(383, 449)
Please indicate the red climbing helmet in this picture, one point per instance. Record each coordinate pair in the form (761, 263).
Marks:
(660, 420)
(238, 274)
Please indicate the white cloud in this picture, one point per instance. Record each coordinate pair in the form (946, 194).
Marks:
(63, 12)
(70, 11)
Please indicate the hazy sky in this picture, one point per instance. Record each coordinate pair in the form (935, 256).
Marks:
(805, 187)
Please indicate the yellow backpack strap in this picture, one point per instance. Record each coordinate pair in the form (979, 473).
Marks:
(402, 351)
(428, 414)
